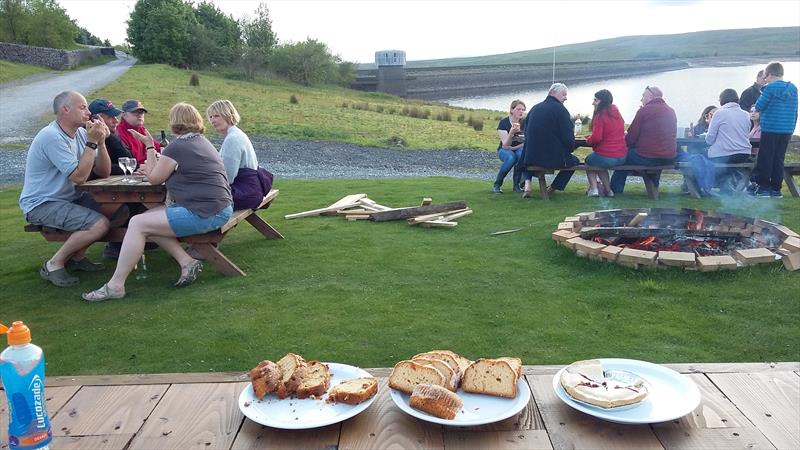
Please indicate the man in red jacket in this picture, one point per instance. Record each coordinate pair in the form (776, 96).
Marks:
(651, 137)
(133, 118)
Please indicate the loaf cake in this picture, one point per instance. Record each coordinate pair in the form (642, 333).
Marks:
(586, 381)
(354, 391)
(407, 374)
(496, 377)
(435, 400)
(462, 362)
(451, 377)
(316, 382)
(293, 369)
(265, 378)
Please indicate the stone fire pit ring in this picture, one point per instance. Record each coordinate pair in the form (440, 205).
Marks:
(668, 237)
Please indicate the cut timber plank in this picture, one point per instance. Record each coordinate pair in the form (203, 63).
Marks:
(637, 219)
(769, 400)
(589, 247)
(458, 215)
(791, 244)
(561, 235)
(438, 224)
(426, 201)
(372, 204)
(711, 263)
(610, 253)
(348, 201)
(631, 255)
(752, 256)
(678, 259)
(427, 217)
(405, 213)
(498, 233)
(792, 262)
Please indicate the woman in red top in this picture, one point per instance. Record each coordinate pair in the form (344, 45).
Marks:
(607, 141)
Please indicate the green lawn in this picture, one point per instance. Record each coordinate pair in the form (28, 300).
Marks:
(371, 294)
(12, 70)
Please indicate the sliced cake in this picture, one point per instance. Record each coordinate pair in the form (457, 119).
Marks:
(354, 391)
(293, 369)
(491, 377)
(462, 362)
(265, 378)
(316, 382)
(407, 374)
(435, 400)
(451, 376)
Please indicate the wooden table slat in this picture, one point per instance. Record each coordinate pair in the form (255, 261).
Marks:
(713, 438)
(94, 442)
(55, 398)
(253, 436)
(770, 401)
(496, 440)
(715, 410)
(193, 416)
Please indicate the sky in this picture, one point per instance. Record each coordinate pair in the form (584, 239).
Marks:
(433, 29)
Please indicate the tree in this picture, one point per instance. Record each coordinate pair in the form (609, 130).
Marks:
(36, 22)
(310, 63)
(160, 31)
(259, 39)
(217, 37)
(14, 16)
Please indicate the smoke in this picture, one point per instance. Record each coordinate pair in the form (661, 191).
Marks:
(741, 204)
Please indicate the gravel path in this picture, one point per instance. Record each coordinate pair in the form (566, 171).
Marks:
(25, 103)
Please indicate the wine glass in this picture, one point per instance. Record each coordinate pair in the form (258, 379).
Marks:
(131, 167)
(123, 164)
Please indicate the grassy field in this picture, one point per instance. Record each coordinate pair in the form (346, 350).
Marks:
(324, 113)
(371, 294)
(13, 70)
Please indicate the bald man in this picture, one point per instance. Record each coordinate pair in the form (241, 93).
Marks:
(651, 137)
(62, 155)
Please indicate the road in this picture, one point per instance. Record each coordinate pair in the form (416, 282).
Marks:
(24, 107)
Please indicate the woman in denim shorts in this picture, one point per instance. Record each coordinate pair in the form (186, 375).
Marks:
(200, 201)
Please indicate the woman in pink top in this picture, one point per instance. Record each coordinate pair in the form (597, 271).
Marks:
(607, 141)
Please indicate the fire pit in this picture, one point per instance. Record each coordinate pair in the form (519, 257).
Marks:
(689, 238)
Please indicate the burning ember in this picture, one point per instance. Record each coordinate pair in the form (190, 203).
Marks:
(679, 237)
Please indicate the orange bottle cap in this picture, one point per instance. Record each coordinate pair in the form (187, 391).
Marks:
(18, 334)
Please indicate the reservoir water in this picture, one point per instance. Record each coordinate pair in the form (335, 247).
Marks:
(687, 91)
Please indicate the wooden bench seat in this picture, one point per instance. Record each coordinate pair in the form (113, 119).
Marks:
(791, 170)
(646, 172)
(205, 244)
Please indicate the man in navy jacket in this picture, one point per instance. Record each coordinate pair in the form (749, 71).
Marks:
(550, 138)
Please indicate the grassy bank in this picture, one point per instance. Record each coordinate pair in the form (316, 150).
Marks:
(373, 293)
(324, 113)
(12, 70)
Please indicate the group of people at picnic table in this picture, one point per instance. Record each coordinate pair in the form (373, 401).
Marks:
(546, 138)
(204, 186)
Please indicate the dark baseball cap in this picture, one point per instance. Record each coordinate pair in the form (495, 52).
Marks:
(101, 105)
(133, 105)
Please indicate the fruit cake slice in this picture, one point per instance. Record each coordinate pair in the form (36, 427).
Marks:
(407, 374)
(266, 377)
(316, 382)
(354, 391)
(293, 368)
(491, 377)
(435, 400)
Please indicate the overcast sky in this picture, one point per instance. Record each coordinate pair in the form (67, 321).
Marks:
(431, 29)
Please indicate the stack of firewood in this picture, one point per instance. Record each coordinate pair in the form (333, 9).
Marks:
(361, 207)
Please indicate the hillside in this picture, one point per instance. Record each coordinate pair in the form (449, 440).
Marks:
(760, 42)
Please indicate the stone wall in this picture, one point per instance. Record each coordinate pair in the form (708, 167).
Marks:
(53, 58)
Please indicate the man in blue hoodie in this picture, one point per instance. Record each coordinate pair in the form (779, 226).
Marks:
(778, 108)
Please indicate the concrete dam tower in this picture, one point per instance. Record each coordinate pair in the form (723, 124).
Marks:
(391, 72)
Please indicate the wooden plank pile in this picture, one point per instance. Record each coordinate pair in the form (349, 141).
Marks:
(361, 207)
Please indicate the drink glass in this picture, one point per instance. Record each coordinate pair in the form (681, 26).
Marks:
(123, 164)
(131, 167)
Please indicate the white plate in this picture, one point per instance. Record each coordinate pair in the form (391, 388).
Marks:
(293, 414)
(477, 409)
(671, 395)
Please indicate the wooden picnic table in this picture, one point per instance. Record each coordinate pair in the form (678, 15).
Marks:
(744, 405)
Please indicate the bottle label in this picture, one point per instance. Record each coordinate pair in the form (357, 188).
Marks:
(29, 425)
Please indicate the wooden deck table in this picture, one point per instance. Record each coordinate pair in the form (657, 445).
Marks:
(745, 405)
(112, 192)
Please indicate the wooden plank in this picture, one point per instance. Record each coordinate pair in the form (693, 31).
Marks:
(788, 173)
(253, 436)
(438, 224)
(55, 398)
(458, 215)
(193, 415)
(527, 419)
(715, 410)
(496, 440)
(405, 213)
(384, 425)
(714, 438)
(98, 442)
(569, 428)
(771, 401)
(267, 230)
(220, 262)
(346, 202)
(101, 410)
(372, 204)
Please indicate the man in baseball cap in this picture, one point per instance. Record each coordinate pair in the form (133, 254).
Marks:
(133, 112)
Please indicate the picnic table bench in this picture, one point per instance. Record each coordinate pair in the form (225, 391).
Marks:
(743, 405)
(112, 194)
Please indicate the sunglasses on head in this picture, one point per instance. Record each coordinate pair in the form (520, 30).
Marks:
(647, 88)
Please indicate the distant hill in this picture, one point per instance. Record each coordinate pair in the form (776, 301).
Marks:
(720, 43)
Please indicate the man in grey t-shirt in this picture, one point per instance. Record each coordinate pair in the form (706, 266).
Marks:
(63, 154)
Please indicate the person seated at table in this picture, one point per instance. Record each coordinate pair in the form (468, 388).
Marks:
(249, 183)
(700, 129)
(62, 155)
(550, 139)
(607, 140)
(755, 130)
(729, 139)
(200, 201)
(133, 120)
(509, 151)
(651, 137)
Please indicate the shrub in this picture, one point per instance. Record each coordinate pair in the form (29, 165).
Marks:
(425, 114)
(443, 116)
(392, 110)
(379, 108)
(460, 118)
(194, 80)
(345, 105)
(293, 99)
(477, 124)
(364, 106)
(396, 141)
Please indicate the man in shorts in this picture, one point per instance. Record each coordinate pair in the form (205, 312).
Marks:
(64, 154)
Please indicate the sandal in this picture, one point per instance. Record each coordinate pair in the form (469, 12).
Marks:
(84, 265)
(526, 193)
(193, 269)
(102, 294)
(59, 277)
